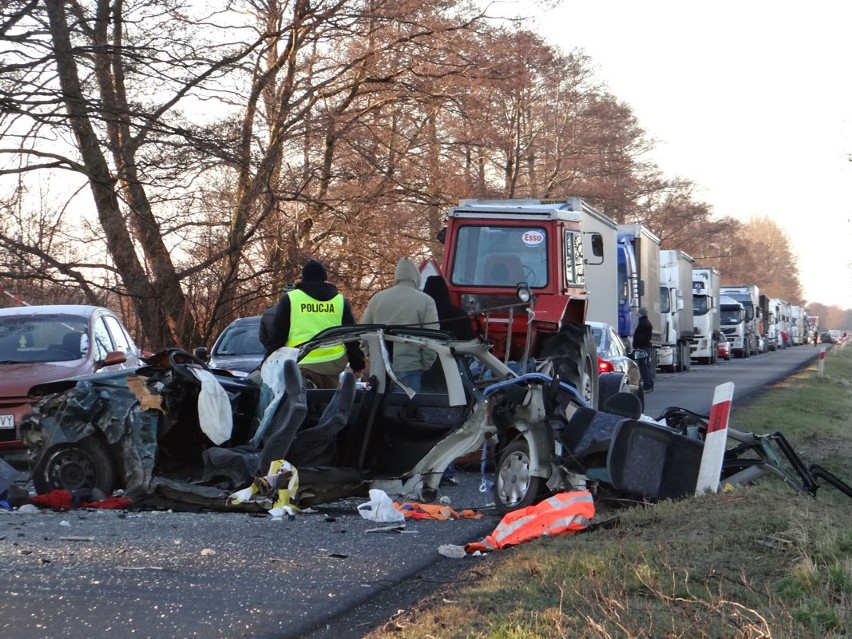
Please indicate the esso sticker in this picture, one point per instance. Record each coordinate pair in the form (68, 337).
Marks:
(533, 238)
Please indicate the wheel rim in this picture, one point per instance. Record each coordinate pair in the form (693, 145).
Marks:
(513, 481)
(71, 468)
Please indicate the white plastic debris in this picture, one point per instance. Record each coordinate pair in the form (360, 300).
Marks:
(452, 551)
(380, 508)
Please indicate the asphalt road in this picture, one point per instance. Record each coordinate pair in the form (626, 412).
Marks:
(93, 574)
(693, 389)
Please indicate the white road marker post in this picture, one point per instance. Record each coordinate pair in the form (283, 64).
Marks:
(821, 365)
(715, 441)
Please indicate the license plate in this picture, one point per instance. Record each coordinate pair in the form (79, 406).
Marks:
(7, 422)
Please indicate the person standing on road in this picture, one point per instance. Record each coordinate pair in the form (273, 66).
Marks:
(313, 306)
(642, 342)
(404, 304)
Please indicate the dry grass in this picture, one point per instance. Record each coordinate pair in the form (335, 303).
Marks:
(757, 562)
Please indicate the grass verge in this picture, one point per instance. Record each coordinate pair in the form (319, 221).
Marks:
(758, 561)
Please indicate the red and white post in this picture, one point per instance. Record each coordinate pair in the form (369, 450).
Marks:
(821, 365)
(716, 439)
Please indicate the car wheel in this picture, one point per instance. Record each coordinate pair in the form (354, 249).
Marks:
(82, 464)
(514, 486)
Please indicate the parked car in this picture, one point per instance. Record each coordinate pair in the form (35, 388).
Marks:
(723, 349)
(826, 338)
(41, 344)
(237, 348)
(614, 357)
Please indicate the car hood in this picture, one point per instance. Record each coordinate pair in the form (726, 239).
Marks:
(18, 379)
(237, 363)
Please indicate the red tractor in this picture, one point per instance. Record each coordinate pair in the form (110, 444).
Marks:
(517, 268)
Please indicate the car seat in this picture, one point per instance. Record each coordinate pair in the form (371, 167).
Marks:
(317, 446)
(240, 463)
(288, 418)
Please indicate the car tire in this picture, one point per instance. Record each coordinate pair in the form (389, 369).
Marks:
(78, 465)
(514, 486)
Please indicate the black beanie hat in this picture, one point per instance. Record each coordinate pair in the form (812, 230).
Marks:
(313, 270)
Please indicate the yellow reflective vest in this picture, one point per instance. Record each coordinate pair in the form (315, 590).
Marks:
(308, 317)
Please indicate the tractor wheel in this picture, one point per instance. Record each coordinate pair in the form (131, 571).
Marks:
(574, 356)
(82, 464)
(514, 486)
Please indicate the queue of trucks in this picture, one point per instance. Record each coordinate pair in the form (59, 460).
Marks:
(526, 270)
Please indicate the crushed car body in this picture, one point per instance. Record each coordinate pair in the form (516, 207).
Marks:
(174, 427)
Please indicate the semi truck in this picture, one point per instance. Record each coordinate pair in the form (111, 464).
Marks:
(518, 268)
(765, 323)
(743, 337)
(638, 262)
(732, 318)
(797, 328)
(775, 324)
(676, 311)
(782, 323)
(705, 314)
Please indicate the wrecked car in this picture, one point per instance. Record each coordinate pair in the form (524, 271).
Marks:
(177, 430)
(176, 427)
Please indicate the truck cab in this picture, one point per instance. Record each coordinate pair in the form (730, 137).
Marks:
(518, 268)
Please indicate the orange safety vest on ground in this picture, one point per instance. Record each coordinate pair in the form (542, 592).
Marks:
(308, 317)
(564, 513)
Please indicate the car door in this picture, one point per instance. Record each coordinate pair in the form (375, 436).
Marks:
(406, 428)
(122, 341)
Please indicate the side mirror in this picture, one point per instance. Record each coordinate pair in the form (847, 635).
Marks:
(442, 235)
(112, 358)
(201, 353)
(638, 354)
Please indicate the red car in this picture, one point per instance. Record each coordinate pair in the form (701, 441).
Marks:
(41, 344)
(723, 350)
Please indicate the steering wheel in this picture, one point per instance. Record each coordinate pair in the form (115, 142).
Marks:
(530, 275)
(180, 361)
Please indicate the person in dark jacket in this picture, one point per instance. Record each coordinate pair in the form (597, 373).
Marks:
(311, 306)
(456, 322)
(642, 341)
(452, 319)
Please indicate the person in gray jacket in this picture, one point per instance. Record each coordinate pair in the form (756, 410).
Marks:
(404, 304)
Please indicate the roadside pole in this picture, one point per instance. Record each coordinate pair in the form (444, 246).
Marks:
(821, 365)
(715, 440)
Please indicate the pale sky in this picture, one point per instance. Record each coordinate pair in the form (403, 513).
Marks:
(751, 100)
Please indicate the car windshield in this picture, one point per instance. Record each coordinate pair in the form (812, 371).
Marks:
(699, 305)
(242, 339)
(43, 338)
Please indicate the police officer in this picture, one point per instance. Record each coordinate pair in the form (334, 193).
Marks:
(314, 305)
